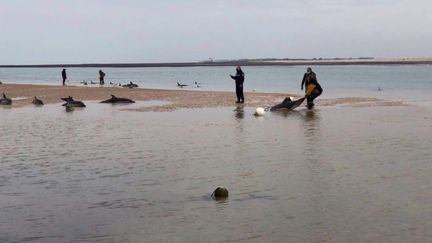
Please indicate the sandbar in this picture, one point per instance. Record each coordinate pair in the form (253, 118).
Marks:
(22, 95)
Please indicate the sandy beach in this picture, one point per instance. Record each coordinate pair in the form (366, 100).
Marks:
(23, 94)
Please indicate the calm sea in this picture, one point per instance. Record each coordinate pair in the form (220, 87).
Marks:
(411, 82)
(101, 174)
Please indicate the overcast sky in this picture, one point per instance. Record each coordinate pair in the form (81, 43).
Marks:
(89, 31)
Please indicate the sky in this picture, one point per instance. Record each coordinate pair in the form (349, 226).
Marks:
(122, 31)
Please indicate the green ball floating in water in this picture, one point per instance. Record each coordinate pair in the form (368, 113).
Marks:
(220, 193)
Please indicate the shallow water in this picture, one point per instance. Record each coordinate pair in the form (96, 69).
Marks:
(396, 81)
(101, 174)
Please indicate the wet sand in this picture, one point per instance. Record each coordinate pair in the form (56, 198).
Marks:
(23, 94)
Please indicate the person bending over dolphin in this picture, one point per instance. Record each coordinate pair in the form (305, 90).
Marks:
(312, 87)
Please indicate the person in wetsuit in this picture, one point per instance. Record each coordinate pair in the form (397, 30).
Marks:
(64, 76)
(239, 80)
(101, 77)
(312, 87)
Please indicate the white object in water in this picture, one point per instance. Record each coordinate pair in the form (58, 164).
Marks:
(259, 111)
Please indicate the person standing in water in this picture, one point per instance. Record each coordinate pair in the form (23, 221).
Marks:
(101, 77)
(239, 80)
(64, 76)
(312, 87)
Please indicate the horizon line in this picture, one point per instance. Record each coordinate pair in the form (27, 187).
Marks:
(243, 62)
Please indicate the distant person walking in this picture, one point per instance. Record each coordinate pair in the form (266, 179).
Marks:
(101, 77)
(64, 76)
(312, 87)
(239, 80)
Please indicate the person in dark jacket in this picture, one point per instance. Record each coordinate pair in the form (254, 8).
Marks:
(239, 80)
(64, 76)
(101, 77)
(312, 87)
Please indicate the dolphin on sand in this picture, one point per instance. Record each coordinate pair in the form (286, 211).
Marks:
(37, 101)
(70, 102)
(289, 104)
(130, 85)
(181, 85)
(5, 100)
(115, 100)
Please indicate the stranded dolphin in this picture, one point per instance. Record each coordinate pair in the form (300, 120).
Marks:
(288, 103)
(116, 100)
(5, 100)
(70, 102)
(181, 85)
(130, 85)
(37, 101)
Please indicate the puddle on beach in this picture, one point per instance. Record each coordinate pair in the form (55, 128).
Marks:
(102, 174)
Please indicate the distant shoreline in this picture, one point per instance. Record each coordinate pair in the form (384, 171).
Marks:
(244, 62)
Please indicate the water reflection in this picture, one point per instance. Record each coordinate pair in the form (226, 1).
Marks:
(316, 170)
(311, 128)
(285, 183)
(239, 112)
(311, 123)
(287, 113)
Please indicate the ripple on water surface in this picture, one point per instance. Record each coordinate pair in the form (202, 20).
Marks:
(104, 174)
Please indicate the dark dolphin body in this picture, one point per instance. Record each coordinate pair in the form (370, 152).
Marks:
(130, 85)
(289, 104)
(5, 100)
(181, 85)
(70, 102)
(117, 100)
(37, 101)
